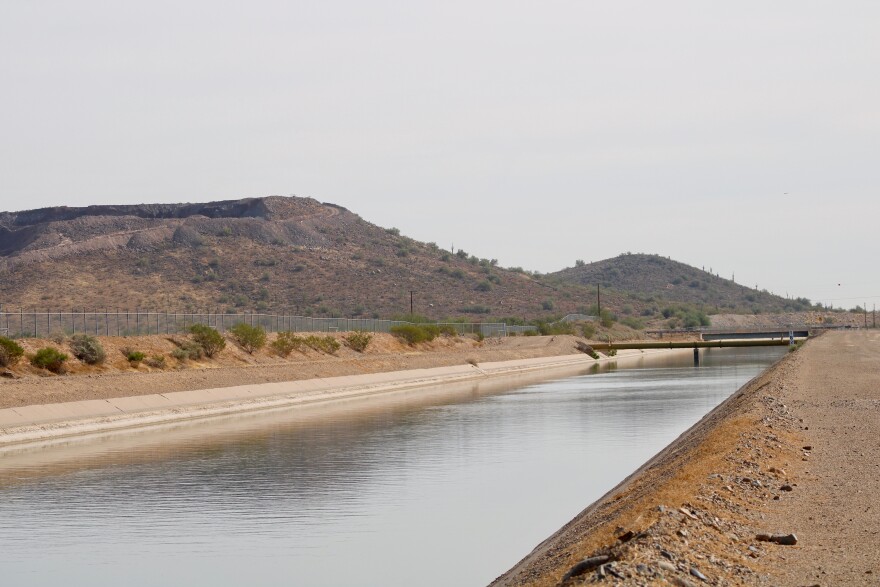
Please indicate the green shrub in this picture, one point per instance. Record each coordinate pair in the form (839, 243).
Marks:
(326, 344)
(250, 338)
(132, 355)
(10, 352)
(210, 341)
(432, 331)
(187, 350)
(156, 361)
(484, 286)
(87, 349)
(286, 342)
(411, 333)
(50, 359)
(447, 330)
(553, 328)
(358, 340)
(633, 323)
(607, 319)
(588, 329)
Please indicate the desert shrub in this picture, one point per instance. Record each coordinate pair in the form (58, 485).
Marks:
(358, 340)
(250, 338)
(588, 329)
(10, 352)
(87, 349)
(531, 333)
(50, 359)
(633, 323)
(432, 331)
(210, 341)
(188, 350)
(607, 319)
(325, 344)
(484, 286)
(411, 333)
(547, 305)
(286, 342)
(553, 328)
(156, 361)
(447, 330)
(132, 355)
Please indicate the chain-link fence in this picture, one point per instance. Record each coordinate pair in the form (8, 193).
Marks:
(33, 323)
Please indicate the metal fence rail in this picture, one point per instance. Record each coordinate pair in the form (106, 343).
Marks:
(35, 323)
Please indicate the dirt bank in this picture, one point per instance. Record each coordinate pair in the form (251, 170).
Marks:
(233, 366)
(792, 453)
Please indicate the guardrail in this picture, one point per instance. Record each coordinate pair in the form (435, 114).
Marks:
(34, 323)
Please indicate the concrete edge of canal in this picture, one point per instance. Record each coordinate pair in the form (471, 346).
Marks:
(41, 423)
(755, 493)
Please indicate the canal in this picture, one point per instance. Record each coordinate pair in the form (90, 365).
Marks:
(436, 487)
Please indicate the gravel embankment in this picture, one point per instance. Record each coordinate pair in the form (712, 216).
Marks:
(777, 486)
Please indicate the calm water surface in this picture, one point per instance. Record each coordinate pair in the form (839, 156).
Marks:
(422, 488)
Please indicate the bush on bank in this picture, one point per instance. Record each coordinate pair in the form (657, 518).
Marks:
(211, 341)
(250, 338)
(87, 349)
(415, 333)
(10, 352)
(358, 340)
(50, 359)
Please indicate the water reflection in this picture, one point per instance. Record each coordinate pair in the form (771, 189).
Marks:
(422, 487)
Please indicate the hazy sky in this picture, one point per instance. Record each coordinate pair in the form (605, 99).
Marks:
(741, 136)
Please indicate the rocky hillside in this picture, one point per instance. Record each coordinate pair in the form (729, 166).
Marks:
(301, 256)
(659, 278)
(276, 253)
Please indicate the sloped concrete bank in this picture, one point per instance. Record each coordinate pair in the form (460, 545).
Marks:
(44, 422)
(775, 486)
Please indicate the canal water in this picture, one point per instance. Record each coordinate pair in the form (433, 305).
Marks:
(435, 487)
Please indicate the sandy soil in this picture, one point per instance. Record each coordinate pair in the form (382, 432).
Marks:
(233, 366)
(793, 452)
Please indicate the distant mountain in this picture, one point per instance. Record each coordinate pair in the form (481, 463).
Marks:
(660, 279)
(298, 255)
(285, 254)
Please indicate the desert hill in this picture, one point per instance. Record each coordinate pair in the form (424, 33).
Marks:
(653, 276)
(281, 253)
(301, 256)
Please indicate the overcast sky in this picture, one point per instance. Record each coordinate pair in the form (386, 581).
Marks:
(741, 136)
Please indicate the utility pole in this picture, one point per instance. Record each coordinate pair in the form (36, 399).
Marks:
(874, 313)
(598, 301)
(410, 304)
(866, 314)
